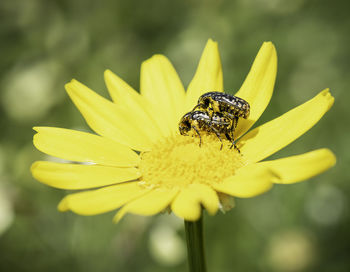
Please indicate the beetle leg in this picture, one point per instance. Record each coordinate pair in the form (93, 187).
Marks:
(228, 137)
(200, 138)
(218, 135)
(235, 120)
(233, 142)
(197, 106)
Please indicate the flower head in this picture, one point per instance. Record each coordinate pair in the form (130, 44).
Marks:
(169, 170)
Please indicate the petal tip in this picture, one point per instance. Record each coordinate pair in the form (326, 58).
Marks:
(36, 129)
(194, 215)
(328, 97)
(69, 87)
(193, 218)
(77, 85)
(213, 210)
(33, 167)
(269, 44)
(331, 156)
(269, 48)
(212, 42)
(73, 81)
(108, 76)
(212, 46)
(153, 59)
(120, 214)
(63, 206)
(35, 138)
(107, 72)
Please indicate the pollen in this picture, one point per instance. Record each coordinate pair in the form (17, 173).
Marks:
(178, 161)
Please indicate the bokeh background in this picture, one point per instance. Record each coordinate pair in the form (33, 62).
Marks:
(44, 44)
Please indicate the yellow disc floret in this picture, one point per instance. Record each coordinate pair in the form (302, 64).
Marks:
(179, 160)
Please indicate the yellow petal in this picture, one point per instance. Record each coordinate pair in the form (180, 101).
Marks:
(151, 203)
(121, 92)
(124, 95)
(83, 147)
(187, 204)
(162, 88)
(102, 200)
(76, 176)
(258, 86)
(301, 167)
(208, 76)
(267, 139)
(106, 119)
(249, 181)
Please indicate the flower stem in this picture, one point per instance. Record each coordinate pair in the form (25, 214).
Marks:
(195, 246)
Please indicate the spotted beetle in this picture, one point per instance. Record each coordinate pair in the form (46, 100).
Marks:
(197, 122)
(229, 105)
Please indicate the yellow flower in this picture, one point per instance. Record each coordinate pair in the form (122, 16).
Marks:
(169, 170)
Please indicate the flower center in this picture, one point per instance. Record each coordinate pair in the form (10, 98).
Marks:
(178, 161)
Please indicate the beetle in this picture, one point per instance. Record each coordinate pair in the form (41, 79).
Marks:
(199, 121)
(229, 105)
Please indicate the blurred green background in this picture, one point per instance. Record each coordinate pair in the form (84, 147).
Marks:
(44, 44)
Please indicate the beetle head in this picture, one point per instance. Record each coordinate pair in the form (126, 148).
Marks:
(185, 125)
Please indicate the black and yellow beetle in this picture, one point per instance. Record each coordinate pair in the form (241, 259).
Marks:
(217, 113)
(194, 123)
(229, 105)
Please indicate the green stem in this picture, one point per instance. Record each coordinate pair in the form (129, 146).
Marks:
(195, 245)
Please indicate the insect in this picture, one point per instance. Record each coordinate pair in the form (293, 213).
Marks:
(229, 105)
(197, 122)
